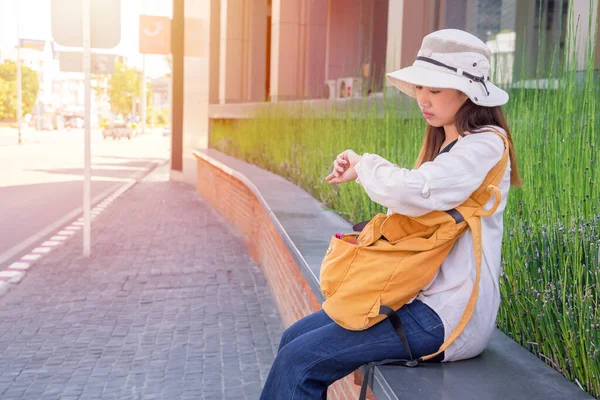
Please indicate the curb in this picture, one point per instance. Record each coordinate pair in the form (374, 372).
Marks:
(16, 271)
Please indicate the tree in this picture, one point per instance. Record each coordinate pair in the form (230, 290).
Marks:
(169, 60)
(4, 95)
(123, 86)
(8, 92)
(157, 116)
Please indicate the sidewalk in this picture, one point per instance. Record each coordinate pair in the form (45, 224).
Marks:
(10, 136)
(170, 306)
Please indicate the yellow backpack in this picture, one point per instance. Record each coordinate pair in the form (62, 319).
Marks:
(366, 277)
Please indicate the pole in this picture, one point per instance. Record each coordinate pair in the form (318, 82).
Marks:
(19, 94)
(87, 170)
(170, 105)
(144, 105)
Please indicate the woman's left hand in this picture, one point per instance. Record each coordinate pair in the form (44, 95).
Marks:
(343, 167)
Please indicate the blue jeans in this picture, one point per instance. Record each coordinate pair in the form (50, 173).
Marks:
(315, 351)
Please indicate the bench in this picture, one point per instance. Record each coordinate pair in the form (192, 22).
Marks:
(505, 370)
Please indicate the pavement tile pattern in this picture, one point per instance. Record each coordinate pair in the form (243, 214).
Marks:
(169, 306)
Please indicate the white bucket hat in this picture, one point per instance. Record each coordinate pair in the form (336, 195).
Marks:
(451, 58)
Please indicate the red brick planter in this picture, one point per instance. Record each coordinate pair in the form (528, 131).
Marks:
(238, 200)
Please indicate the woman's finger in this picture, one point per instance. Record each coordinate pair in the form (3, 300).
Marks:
(339, 167)
(332, 175)
(333, 178)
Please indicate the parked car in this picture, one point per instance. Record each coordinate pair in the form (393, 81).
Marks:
(118, 130)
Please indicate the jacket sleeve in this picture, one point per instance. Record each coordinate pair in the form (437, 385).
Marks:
(441, 184)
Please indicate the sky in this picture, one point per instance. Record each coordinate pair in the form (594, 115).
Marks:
(35, 24)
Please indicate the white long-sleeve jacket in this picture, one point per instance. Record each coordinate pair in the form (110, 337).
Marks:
(443, 184)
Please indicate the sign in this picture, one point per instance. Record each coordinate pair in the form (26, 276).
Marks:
(155, 34)
(103, 64)
(32, 44)
(72, 61)
(67, 29)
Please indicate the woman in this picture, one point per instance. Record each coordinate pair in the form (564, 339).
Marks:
(450, 80)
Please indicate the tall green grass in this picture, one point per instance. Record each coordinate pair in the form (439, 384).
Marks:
(550, 284)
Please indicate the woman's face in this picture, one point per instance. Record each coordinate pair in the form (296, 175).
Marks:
(439, 106)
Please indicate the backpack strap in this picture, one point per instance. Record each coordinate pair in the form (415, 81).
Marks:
(495, 175)
(399, 328)
(475, 225)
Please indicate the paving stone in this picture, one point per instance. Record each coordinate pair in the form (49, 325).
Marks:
(143, 317)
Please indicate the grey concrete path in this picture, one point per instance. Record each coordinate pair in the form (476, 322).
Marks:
(170, 306)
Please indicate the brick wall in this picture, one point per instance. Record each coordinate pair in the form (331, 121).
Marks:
(293, 295)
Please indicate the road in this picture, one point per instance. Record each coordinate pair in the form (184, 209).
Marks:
(41, 181)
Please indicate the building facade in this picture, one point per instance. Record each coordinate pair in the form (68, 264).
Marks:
(232, 55)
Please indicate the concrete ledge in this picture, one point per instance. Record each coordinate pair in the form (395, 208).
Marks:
(288, 231)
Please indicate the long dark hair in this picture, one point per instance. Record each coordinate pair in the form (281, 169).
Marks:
(470, 118)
